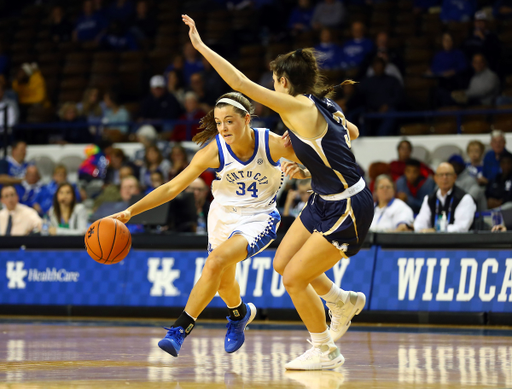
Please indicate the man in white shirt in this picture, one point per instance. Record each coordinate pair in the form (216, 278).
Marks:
(458, 206)
(17, 219)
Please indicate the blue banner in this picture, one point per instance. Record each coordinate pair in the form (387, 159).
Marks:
(443, 280)
(149, 278)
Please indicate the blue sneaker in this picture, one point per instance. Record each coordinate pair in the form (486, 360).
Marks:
(235, 336)
(172, 341)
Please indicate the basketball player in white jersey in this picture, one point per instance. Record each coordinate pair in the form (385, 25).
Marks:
(243, 217)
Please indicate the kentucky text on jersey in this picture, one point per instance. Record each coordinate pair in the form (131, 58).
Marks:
(241, 175)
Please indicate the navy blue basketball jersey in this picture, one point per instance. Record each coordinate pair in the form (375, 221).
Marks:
(328, 157)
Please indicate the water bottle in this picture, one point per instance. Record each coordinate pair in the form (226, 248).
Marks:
(201, 224)
(497, 217)
(441, 222)
(45, 226)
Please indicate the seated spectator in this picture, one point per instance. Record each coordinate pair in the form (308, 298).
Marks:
(331, 52)
(91, 107)
(44, 199)
(176, 86)
(30, 86)
(17, 219)
(397, 167)
(146, 135)
(30, 187)
(118, 38)
(129, 187)
(190, 63)
(391, 214)
(15, 166)
(380, 93)
(90, 25)
(60, 28)
(179, 160)
(12, 110)
(301, 17)
(117, 160)
(115, 113)
(153, 161)
(121, 11)
(457, 10)
(159, 104)
(390, 58)
(110, 192)
(94, 167)
(194, 113)
(483, 41)
(412, 187)
(356, 50)
(475, 151)
(449, 64)
(328, 13)
(492, 158)
(157, 179)
(66, 216)
(206, 98)
(502, 9)
(449, 200)
(467, 183)
(74, 128)
(144, 24)
(483, 88)
(499, 190)
(296, 199)
(201, 193)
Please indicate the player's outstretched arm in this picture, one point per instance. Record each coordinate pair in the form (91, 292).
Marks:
(279, 102)
(201, 161)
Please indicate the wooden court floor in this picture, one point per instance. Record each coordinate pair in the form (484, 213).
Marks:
(103, 355)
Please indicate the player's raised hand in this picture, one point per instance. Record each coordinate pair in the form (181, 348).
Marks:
(293, 170)
(124, 216)
(195, 39)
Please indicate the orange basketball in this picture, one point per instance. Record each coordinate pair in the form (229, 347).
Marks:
(108, 241)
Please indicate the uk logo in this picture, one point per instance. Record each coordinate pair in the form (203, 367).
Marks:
(16, 274)
(162, 275)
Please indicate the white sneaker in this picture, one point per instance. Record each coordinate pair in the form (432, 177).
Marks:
(323, 357)
(324, 379)
(341, 313)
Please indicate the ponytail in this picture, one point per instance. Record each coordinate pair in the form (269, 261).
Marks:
(331, 90)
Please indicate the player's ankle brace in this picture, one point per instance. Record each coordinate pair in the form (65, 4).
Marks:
(238, 313)
(186, 322)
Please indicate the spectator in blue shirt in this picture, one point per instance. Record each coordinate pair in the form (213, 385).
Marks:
(17, 166)
(449, 64)
(30, 187)
(331, 59)
(301, 16)
(89, 26)
(44, 199)
(191, 63)
(118, 38)
(457, 10)
(355, 51)
(492, 158)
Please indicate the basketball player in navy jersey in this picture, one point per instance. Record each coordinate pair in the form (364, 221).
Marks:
(243, 218)
(339, 213)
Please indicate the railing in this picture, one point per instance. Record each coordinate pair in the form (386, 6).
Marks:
(432, 114)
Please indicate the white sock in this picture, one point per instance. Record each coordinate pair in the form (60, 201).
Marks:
(334, 293)
(320, 338)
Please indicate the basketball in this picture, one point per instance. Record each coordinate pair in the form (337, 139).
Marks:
(108, 241)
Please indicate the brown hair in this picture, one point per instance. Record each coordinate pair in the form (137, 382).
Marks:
(476, 143)
(207, 123)
(158, 152)
(56, 205)
(300, 68)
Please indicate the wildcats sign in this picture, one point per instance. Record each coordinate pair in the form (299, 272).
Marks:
(443, 280)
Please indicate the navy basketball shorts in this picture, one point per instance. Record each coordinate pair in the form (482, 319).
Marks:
(344, 223)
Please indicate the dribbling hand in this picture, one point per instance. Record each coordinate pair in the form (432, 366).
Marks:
(123, 217)
(195, 39)
(293, 170)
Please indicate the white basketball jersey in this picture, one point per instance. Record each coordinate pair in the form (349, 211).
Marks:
(253, 183)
